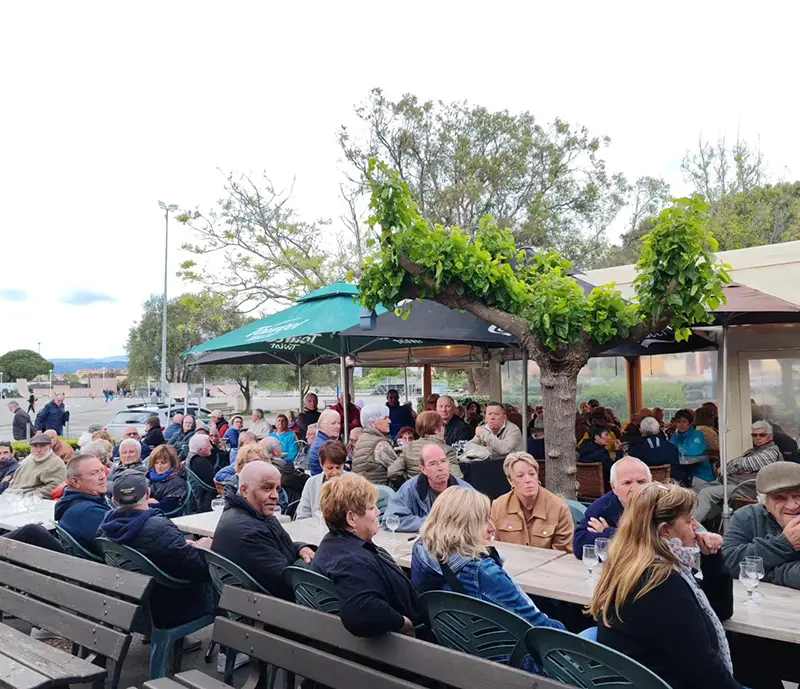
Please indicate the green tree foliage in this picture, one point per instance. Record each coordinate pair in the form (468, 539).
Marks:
(254, 249)
(534, 298)
(23, 363)
(548, 183)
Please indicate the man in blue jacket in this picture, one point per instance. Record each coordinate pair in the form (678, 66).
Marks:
(53, 416)
(174, 427)
(601, 519)
(83, 506)
(329, 427)
(147, 530)
(413, 502)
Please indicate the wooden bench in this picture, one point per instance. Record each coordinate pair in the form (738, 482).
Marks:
(26, 663)
(94, 606)
(316, 646)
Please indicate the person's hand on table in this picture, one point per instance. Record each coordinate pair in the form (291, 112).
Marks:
(7, 479)
(204, 543)
(407, 628)
(710, 543)
(597, 524)
(307, 554)
(152, 501)
(792, 532)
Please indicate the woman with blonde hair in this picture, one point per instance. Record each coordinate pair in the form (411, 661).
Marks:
(454, 553)
(648, 603)
(375, 596)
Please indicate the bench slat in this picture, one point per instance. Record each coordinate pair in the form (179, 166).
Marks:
(195, 679)
(16, 676)
(50, 662)
(99, 606)
(303, 660)
(96, 575)
(87, 633)
(436, 662)
(162, 683)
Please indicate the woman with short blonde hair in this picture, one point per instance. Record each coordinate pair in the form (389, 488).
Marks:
(375, 596)
(648, 603)
(454, 553)
(529, 514)
(248, 454)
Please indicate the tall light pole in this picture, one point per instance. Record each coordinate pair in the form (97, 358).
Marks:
(167, 209)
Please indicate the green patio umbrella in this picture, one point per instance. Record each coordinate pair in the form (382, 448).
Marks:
(311, 327)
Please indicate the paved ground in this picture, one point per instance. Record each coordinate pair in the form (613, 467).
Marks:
(85, 411)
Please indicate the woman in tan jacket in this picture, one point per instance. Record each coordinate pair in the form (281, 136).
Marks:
(430, 428)
(530, 514)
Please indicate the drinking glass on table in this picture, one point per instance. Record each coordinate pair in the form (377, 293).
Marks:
(393, 524)
(748, 575)
(217, 504)
(601, 548)
(757, 565)
(590, 558)
(317, 514)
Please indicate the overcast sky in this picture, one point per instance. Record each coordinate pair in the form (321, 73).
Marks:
(108, 107)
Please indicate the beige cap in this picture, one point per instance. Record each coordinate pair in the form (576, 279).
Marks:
(778, 476)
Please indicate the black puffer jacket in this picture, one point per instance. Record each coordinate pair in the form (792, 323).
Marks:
(156, 537)
(259, 545)
(170, 492)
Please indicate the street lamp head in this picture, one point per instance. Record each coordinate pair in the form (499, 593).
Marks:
(165, 207)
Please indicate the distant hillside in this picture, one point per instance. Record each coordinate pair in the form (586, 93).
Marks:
(72, 365)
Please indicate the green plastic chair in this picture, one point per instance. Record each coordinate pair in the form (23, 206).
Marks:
(199, 489)
(185, 506)
(577, 510)
(585, 664)
(476, 627)
(73, 547)
(165, 644)
(313, 590)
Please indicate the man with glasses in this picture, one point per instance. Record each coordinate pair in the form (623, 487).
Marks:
(763, 453)
(132, 432)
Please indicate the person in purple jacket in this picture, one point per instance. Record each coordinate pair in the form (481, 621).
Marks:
(602, 518)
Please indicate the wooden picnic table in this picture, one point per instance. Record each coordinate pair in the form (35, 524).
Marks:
(26, 663)
(776, 615)
(205, 523)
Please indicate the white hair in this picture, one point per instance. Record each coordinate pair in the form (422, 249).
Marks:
(628, 458)
(131, 442)
(762, 426)
(649, 426)
(372, 413)
(198, 441)
(271, 443)
(762, 498)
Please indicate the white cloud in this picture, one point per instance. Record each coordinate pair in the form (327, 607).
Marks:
(110, 107)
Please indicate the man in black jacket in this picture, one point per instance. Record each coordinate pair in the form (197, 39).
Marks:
(309, 415)
(594, 449)
(148, 531)
(21, 426)
(250, 535)
(456, 430)
(655, 450)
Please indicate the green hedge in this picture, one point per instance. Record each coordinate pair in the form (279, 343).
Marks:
(22, 448)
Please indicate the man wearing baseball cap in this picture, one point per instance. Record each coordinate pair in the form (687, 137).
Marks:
(148, 531)
(771, 529)
(42, 470)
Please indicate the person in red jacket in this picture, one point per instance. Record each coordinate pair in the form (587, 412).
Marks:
(353, 413)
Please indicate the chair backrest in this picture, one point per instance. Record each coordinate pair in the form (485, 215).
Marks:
(476, 627)
(73, 547)
(313, 590)
(124, 557)
(226, 573)
(395, 654)
(197, 484)
(385, 494)
(590, 480)
(577, 510)
(185, 506)
(542, 473)
(661, 473)
(737, 497)
(582, 663)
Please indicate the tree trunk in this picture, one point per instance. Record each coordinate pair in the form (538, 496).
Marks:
(559, 380)
(244, 387)
(478, 380)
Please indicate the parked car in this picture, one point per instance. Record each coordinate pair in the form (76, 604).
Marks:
(137, 416)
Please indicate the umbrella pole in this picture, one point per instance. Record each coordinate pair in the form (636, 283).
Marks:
(405, 381)
(343, 385)
(300, 385)
(723, 431)
(525, 397)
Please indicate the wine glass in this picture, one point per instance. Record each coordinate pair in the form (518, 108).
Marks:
(317, 514)
(757, 565)
(590, 558)
(601, 548)
(217, 504)
(393, 523)
(748, 575)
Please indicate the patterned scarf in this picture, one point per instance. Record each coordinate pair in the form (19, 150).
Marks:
(689, 560)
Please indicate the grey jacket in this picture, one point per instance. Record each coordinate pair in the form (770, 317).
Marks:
(754, 532)
(414, 500)
(21, 425)
(406, 465)
(373, 456)
(754, 459)
(509, 439)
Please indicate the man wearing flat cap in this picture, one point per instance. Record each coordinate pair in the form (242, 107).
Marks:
(771, 529)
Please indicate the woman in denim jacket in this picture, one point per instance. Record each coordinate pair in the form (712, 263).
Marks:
(453, 553)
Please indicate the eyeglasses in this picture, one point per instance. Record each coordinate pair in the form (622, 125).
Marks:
(760, 435)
